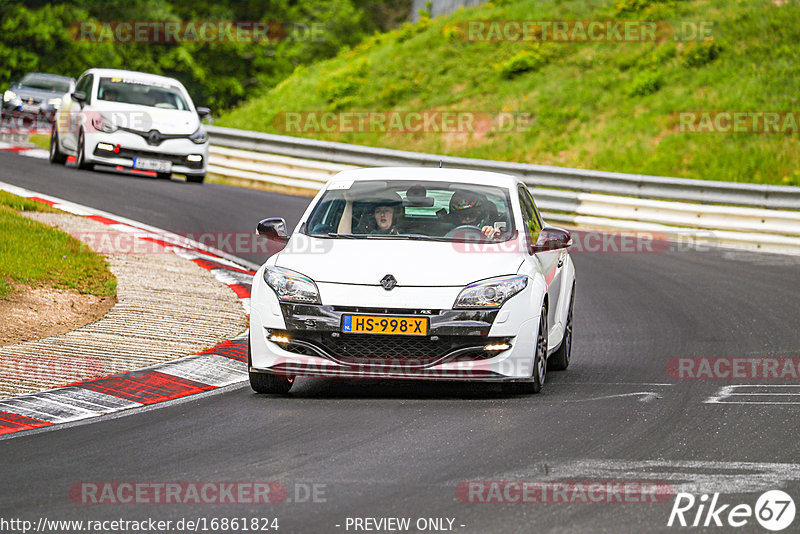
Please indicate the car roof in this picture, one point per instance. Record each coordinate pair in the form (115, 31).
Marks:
(143, 76)
(428, 174)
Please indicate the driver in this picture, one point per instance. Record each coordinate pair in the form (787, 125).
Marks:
(469, 209)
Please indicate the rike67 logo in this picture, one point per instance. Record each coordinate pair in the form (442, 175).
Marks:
(774, 510)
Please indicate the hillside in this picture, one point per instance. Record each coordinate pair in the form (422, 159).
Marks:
(603, 105)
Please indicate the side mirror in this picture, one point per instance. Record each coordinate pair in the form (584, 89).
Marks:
(203, 112)
(551, 238)
(273, 229)
(78, 96)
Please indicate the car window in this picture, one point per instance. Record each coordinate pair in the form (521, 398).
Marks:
(129, 91)
(418, 209)
(538, 216)
(530, 217)
(85, 86)
(45, 83)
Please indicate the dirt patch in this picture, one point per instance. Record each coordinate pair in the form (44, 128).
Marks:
(34, 313)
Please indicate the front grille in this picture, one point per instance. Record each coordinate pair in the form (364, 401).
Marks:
(366, 349)
(356, 348)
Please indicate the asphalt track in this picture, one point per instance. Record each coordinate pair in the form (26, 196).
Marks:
(401, 449)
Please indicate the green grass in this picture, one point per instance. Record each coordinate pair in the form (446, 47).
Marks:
(35, 254)
(42, 141)
(608, 106)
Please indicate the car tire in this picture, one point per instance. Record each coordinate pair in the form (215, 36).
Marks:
(56, 156)
(195, 179)
(534, 385)
(559, 360)
(80, 158)
(267, 383)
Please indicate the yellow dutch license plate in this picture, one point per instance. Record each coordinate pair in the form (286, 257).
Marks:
(382, 324)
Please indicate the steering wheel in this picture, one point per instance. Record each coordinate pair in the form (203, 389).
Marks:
(466, 229)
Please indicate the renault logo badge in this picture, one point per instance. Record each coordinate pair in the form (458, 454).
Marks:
(153, 138)
(388, 282)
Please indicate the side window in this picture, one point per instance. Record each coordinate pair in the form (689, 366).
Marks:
(85, 86)
(537, 216)
(529, 216)
(81, 84)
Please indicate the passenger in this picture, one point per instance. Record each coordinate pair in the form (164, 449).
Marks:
(383, 215)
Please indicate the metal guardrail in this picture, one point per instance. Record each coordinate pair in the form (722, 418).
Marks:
(742, 215)
(642, 186)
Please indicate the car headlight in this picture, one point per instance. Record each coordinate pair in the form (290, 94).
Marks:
(200, 136)
(291, 286)
(55, 102)
(491, 293)
(102, 124)
(10, 95)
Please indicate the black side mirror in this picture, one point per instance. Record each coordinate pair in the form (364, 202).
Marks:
(78, 96)
(273, 229)
(551, 238)
(203, 112)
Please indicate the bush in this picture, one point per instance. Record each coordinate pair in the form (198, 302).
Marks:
(645, 83)
(339, 90)
(698, 54)
(525, 61)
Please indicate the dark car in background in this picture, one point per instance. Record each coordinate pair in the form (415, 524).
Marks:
(38, 95)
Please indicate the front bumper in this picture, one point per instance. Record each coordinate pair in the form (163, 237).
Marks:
(128, 146)
(454, 348)
(29, 112)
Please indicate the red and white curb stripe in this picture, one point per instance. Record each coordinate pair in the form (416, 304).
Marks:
(31, 152)
(217, 367)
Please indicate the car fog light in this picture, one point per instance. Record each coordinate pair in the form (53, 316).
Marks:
(194, 157)
(105, 146)
(279, 338)
(496, 347)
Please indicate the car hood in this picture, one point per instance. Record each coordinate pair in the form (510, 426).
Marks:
(412, 263)
(144, 119)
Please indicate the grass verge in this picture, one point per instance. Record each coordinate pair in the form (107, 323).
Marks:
(35, 254)
(40, 140)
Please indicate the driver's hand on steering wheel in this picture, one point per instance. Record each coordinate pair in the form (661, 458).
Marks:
(490, 231)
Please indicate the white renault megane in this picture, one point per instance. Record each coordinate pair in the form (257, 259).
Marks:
(414, 273)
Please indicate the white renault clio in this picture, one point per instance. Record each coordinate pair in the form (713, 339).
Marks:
(414, 273)
(131, 121)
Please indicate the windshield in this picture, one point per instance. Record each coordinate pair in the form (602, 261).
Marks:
(141, 93)
(45, 83)
(412, 209)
